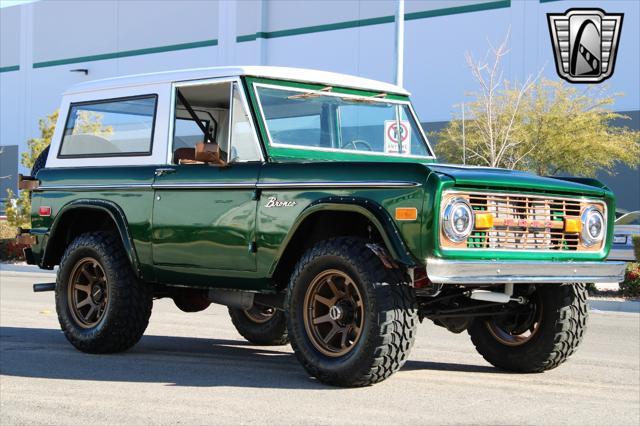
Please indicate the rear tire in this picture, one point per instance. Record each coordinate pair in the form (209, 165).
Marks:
(102, 307)
(352, 322)
(560, 323)
(261, 326)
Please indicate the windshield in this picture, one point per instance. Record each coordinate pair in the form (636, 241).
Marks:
(318, 121)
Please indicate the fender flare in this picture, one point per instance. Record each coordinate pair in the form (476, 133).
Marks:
(373, 211)
(117, 216)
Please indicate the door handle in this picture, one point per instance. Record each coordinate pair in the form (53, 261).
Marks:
(164, 171)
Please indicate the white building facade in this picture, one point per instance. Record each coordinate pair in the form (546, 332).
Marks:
(47, 46)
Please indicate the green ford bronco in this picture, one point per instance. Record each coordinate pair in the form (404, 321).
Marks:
(311, 205)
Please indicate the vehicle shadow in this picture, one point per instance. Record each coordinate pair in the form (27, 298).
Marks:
(176, 361)
(412, 365)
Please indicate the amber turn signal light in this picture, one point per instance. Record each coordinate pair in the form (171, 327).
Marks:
(484, 220)
(572, 226)
(406, 213)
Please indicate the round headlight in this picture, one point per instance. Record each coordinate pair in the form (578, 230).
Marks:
(592, 226)
(457, 219)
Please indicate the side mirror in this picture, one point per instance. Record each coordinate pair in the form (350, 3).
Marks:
(208, 153)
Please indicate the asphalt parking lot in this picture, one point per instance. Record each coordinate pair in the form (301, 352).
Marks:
(195, 369)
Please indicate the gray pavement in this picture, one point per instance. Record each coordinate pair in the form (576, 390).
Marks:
(195, 369)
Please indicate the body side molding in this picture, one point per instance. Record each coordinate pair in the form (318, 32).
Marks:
(233, 185)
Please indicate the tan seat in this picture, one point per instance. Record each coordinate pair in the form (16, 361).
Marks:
(186, 154)
(201, 154)
(209, 153)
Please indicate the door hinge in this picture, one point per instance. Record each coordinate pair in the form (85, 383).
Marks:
(256, 195)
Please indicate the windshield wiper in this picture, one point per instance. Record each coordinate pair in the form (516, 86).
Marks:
(308, 95)
(365, 99)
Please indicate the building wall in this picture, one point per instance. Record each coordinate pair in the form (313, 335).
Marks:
(40, 43)
(8, 172)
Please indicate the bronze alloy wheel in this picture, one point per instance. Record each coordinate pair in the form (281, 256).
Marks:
(333, 313)
(520, 328)
(88, 292)
(260, 314)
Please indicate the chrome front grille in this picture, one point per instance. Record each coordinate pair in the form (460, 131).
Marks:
(524, 222)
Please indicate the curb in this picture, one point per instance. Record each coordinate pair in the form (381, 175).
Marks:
(632, 306)
(13, 270)
(51, 276)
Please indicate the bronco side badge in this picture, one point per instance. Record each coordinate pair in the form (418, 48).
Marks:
(274, 202)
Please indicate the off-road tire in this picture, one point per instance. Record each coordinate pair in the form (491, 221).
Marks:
(40, 161)
(270, 333)
(129, 305)
(390, 315)
(562, 327)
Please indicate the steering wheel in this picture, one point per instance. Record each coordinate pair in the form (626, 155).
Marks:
(355, 143)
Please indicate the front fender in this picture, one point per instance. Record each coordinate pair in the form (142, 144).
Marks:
(373, 211)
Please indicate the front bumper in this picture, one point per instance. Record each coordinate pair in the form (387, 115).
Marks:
(443, 271)
(626, 254)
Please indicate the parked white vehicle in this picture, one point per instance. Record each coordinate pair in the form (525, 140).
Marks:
(626, 227)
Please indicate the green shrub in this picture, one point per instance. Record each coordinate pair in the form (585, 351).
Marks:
(7, 231)
(18, 209)
(630, 287)
(9, 249)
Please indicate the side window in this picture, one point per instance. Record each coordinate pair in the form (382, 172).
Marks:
(114, 127)
(244, 144)
(201, 117)
(187, 133)
(212, 116)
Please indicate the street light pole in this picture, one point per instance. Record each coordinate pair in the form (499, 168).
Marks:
(464, 140)
(400, 42)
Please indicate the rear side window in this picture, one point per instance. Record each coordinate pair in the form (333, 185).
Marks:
(110, 128)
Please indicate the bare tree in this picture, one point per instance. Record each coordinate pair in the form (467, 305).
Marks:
(544, 126)
(495, 110)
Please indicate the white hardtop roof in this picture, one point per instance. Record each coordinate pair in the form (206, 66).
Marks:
(280, 73)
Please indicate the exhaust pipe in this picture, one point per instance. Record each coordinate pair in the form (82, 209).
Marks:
(495, 297)
(234, 299)
(37, 288)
